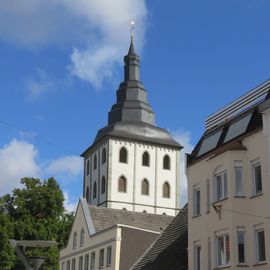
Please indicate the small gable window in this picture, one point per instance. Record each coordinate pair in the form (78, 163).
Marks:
(95, 190)
(166, 162)
(103, 185)
(103, 156)
(123, 155)
(95, 162)
(166, 190)
(82, 238)
(75, 240)
(122, 184)
(145, 187)
(146, 159)
(87, 194)
(87, 167)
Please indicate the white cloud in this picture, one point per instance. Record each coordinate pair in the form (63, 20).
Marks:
(184, 138)
(68, 166)
(96, 30)
(39, 85)
(17, 160)
(70, 203)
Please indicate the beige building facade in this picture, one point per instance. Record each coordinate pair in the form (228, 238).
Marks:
(103, 238)
(229, 189)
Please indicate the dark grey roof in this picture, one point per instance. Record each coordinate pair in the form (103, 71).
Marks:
(228, 135)
(132, 117)
(169, 251)
(138, 131)
(104, 218)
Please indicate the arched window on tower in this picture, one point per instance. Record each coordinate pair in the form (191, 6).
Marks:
(122, 184)
(95, 190)
(87, 167)
(145, 187)
(103, 184)
(95, 162)
(82, 238)
(146, 159)
(166, 190)
(87, 194)
(103, 156)
(123, 155)
(166, 162)
(74, 240)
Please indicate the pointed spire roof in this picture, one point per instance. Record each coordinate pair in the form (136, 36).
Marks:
(131, 47)
(132, 117)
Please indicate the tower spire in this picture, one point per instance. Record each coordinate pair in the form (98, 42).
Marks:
(132, 64)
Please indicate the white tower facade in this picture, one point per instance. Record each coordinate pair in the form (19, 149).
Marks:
(133, 164)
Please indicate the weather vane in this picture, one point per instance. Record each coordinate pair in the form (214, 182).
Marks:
(132, 27)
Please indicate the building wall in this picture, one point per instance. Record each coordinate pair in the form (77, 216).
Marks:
(135, 173)
(204, 228)
(94, 243)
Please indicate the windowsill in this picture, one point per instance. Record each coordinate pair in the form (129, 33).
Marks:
(222, 267)
(256, 195)
(240, 196)
(260, 263)
(195, 216)
(242, 265)
(220, 200)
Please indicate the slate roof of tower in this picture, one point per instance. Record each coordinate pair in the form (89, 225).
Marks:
(169, 251)
(104, 218)
(132, 117)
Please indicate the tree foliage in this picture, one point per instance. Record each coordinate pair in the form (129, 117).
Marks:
(34, 212)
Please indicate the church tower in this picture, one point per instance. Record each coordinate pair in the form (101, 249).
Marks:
(133, 164)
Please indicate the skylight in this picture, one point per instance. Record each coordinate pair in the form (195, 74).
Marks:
(237, 128)
(209, 143)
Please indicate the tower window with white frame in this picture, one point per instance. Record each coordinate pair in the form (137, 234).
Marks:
(123, 155)
(257, 178)
(238, 178)
(223, 250)
(220, 185)
(196, 200)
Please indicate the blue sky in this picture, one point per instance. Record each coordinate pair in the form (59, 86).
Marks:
(62, 61)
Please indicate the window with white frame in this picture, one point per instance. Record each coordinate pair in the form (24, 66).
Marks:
(68, 265)
(93, 261)
(109, 256)
(196, 200)
(86, 262)
(220, 184)
(81, 263)
(257, 178)
(101, 258)
(207, 196)
(73, 264)
(260, 246)
(238, 178)
(63, 266)
(209, 257)
(223, 250)
(74, 245)
(197, 257)
(82, 238)
(241, 245)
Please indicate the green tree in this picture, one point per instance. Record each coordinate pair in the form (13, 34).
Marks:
(36, 212)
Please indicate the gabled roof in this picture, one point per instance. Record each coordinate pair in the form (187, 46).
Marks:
(169, 251)
(103, 218)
